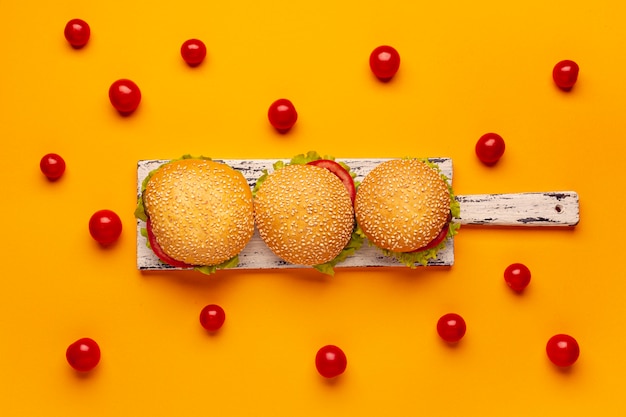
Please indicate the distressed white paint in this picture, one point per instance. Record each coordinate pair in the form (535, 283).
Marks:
(558, 208)
(523, 209)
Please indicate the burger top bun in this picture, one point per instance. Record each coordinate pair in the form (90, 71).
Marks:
(304, 214)
(200, 211)
(402, 205)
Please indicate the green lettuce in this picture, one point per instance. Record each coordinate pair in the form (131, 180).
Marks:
(356, 240)
(140, 213)
(211, 269)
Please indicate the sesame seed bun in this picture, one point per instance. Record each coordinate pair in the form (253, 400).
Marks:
(200, 211)
(304, 214)
(402, 205)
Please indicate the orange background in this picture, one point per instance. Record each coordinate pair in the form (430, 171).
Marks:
(467, 69)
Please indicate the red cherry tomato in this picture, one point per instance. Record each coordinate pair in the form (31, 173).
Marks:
(212, 317)
(565, 74)
(562, 350)
(105, 226)
(451, 327)
(52, 166)
(490, 148)
(517, 276)
(282, 115)
(330, 361)
(384, 62)
(83, 355)
(193, 52)
(156, 248)
(340, 172)
(77, 33)
(125, 96)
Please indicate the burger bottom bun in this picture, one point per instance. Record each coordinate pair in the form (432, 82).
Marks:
(304, 214)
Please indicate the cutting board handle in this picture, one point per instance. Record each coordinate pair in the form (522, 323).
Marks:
(556, 208)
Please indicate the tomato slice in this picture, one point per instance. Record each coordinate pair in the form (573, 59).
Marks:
(437, 240)
(340, 172)
(159, 252)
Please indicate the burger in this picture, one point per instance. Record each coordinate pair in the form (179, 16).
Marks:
(198, 213)
(406, 208)
(304, 211)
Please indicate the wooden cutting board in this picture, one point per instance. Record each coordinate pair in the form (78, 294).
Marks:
(531, 209)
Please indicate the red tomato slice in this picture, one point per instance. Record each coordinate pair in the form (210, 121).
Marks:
(340, 172)
(437, 240)
(159, 252)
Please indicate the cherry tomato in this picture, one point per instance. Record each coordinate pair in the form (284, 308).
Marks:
(158, 251)
(52, 166)
(282, 115)
(330, 361)
(565, 74)
(212, 317)
(193, 52)
(517, 276)
(384, 62)
(77, 33)
(451, 327)
(105, 226)
(340, 172)
(83, 355)
(490, 148)
(125, 96)
(562, 350)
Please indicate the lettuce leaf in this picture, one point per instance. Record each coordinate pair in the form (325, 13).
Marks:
(140, 210)
(211, 269)
(307, 157)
